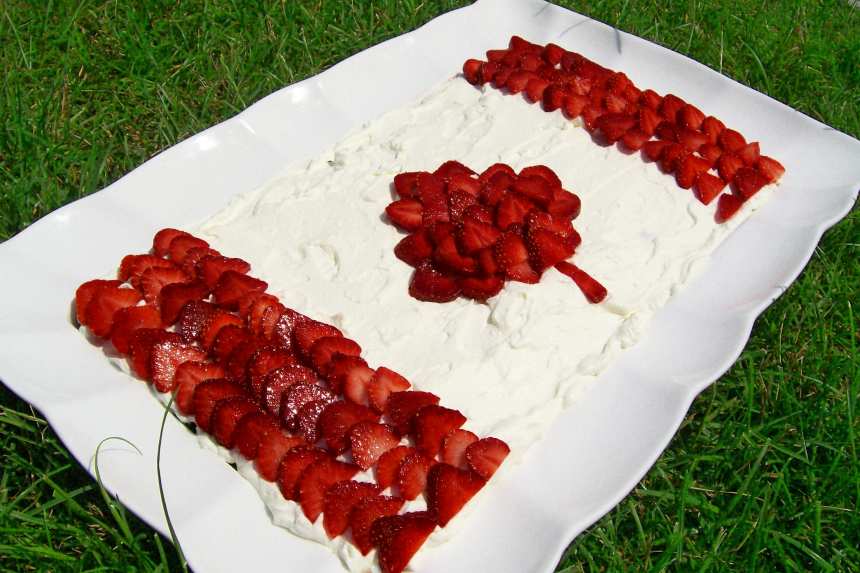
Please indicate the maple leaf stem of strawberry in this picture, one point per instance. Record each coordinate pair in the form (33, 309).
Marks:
(168, 409)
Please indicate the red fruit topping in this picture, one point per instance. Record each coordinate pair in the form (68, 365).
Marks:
(727, 206)
(513, 258)
(449, 258)
(634, 139)
(708, 187)
(273, 447)
(553, 97)
(226, 416)
(451, 168)
(690, 117)
(161, 241)
(487, 262)
(154, 279)
(336, 421)
(236, 364)
(551, 54)
(496, 55)
(691, 140)
(412, 475)
(308, 420)
(749, 153)
(338, 503)
(454, 447)
(494, 169)
(187, 377)
(485, 456)
(141, 346)
(472, 70)
(104, 302)
(689, 168)
(464, 183)
(327, 347)
(193, 257)
(653, 150)
(365, 513)
(398, 537)
(458, 202)
(564, 204)
(449, 489)
(293, 463)
(175, 296)
(590, 115)
(251, 430)
(211, 268)
(671, 157)
(518, 80)
(547, 248)
(262, 362)
(317, 479)
(193, 319)
(728, 166)
(369, 440)
(615, 104)
(512, 210)
(296, 397)
(206, 397)
(710, 152)
(227, 340)
(306, 332)
(355, 381)
(342, 367)
(670, 106)
(748, 182)
(165, 357)
(650, 99)
(731, 140)
(406, 214)
(481, 288)
(430, 285)
(534, 188)
(217, 320)
(414, 249)
(127, 320)
(402, 407)
(388, 465)
(712, 127)
(432, 423)
(770, 168)
(476, 235)
(535, 88)
(279, 380)
(264, 324)
(232, 286)
(181, 244)
(518, 44)
(382, 384)
(593, 290)
(406, 184)
(85, 294)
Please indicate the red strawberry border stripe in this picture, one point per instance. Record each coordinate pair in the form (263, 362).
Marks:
(290, 394)
(470, 232)
(701, 151)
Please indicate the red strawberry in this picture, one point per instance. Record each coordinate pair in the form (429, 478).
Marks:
(317, 479)
(712, 127)
(226, 341)
(194, 256)
(653, 150)
(402, 407)
(217, 320)
(398, 537)
(670, 106)
(226, 416)
(534, 188)
(181, 244)
(650, 99)
(553, 97)
(406, 214)
(489, 71)
(512, 210)
(236, 364)
(206, 397)
(481, 288)
(472, 70)
(306, 332)
(531, 63)
(232, 286)
(494, 190)
(689, 167)
(518, 80)
(338, 503)
(593, 290)
(560, 226)
(104, 303)
(513, 258)
(129, 319)
(666, 131)
(449, 258)
(85, 294)
(276, 382)
(293, 464)
(730, 140)
(671, 157)
(634, 139)
(727, 206)
(212, 267)
(542, 172)
(615, 104)
(327, 347)
(748, 182)
(487, 262)
(246, 303)
(296, 398)
(590, 116)
(342, 367)
(193, 319)
(355, 381)
(388, 465)
(162, 239)
(175, 296)
(430, 285)
(476, 235)
(406, 184)
(496, 55)
(749, 153)
(494, 169)
(454, 447)
(460, 182)
(369, 440)
(365, 513)
(458, 202)
(165, 357)
(486, 455)
(770, 168)
(451, 168)
(434, 201)
(141, 346)
(690, 117)
(690, 139)
(264, 315)
(535, 88)
(710, 152)
(449, 489)
(547, 248)
(518, 44)
(552, 54)
(382, 384)
(432, 423)
(708, 187)
(263, 361)
(574, 104)
(414, 249)
(648, 121)
(273, 447)
(251, 430)
(564, 204)
(187, 377)
(412, 475)
(728, 166)
(154, 279)
(336, 421)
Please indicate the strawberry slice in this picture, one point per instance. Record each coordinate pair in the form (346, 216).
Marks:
(355, 381)
(591, 113)
(513, 258)
(653, 150)
(449, 258)
(553, 97)
(672, 156)
(406, 214)
(317, 479)
(193, 319)
(564, 204)
(296, 398)
(593, 290)
(472, 70)
(154, 279)
(306, 332)
(175, 296)
(236, 364)
(282, 332)
(496, 55)
(458, 202)
(547, 248)
(495, 169)
(431, 192)
(432, 423)
(749, 153)
(707, 187)
(543, 172)
(486, 455)
(414, 249)
(232, 286)
(85, 294)
(463, 183)
(412, 475)
(748, 182)
(481, 288)
(226, 416)
(216, 321)
(187, 377)
(689, 168)
(265, 360)
(430, 285)
(731, 141)
(728, 166)
(406, 184)
(449, 169)
(370, 440)
(211, 268)
(194, 256)
(365, 513)
(181, 244)
(710, 152)
(534, 188)
(552, 54)
(227, 340)
(454, 446)
(389, 463)
(127, 320)
(268, 321)
(449, 489)
(670, 106)
(691, 140)
(382, 384)
(531, 63)
(650, 99)
(165, 357)
(398, 537)
(133, 266)
(487, 262)
(494, 190)
(327, 347)
(343, 366)
(615, 125)
(104, 303)
(562, 227)
(251, 430)
(161, 241)
(712, 127)
(690, 117)
(727, 206)
(574, 104)
(535, 88)
(272, 449)
(247, 301)
(634, 139)
(615, 103)
(402, 407)
(278, 381)
(206, 397)
(518, 44)
(339, 501)
(336, 421)
(292, 464)
(518, 81)
(141, 347)
(649, 119)
(770, 168)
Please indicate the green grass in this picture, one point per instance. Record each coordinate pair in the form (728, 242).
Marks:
(762, 476)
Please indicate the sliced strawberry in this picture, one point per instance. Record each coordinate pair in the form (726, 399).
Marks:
(476, 235)
(85, 294)
(129, 319)
(653, 150)
(667, 131)
(531, 63)
(236, 364)
(268, 321)
(518, 80)
(273, 447)
(432, 423)
(194, 256)
(216, 321)
(365, 513)
(464, 183)
(295, 398)
(264, 361)
(727, 206)
(355, 381)
(454, 446)
(615, 125)
(431, 192)
(251, 430)
(574, 104)
(212, 267)
(672, 156)
(552, 53)
(306, 332)
(449, 258)
(590, 115)
(691, 140)
(486, 455)
(487, 262)
(226, 341)
(398, 537)
(451, 168)
(512, 210)
(648, 121)
(187, 377)
(232, 286)
(382, 384)
(481, 288)
(690, 117)
(472, 70)
(430, 285)
(206, 397)
(402, 407)
(534, 188)
(193, 318)
(593, 290)
(343, 366)
(406, 214)
(282, 331)
(227, 415)
(710, 152)
(615, 103)
(496, 55)
(246, 303)
(279, 380)
(458, 202)
(650, 99)
(389, 463)
(339, 500)
(336, 421)
(707, 187)
(308, 420)
(165, 357)
(770, 168)
(327, 347)
(553, 97)
(634, 139)
(181, 244)
(317, 479)
(535, 88)
(749, 153)
(670, 106)
(564, 204)
(547, 248)
(369, 440)
(748, 182)
(449, 489)
(141, 347)
(495, 169)
(731, 141)
(104, 303)
(162, 239)
(712, 127)
(513, 258)
(494, 190)
(175, 296)
(542, 172)
(293, 463)
(728, 166)
(560, 226)
(518, 44)
(689, 168)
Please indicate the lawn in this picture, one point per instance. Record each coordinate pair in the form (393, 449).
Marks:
(763, 474)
